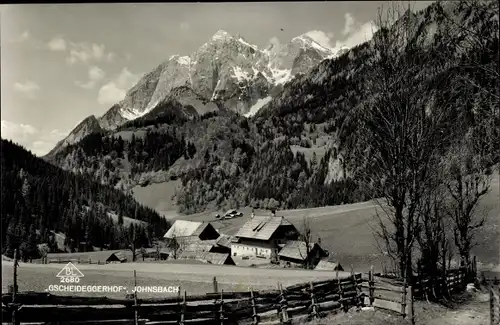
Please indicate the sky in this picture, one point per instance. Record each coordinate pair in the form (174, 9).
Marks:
(63, 62)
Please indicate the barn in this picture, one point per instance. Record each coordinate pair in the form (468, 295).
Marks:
(325, 265)
(185, 228)
(295, 252)
(261, 236)
(223, 244)
(116, 257)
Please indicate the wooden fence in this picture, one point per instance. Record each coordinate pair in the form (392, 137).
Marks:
(456, 280)
(494, 305)
(389, 295)
(67, 260)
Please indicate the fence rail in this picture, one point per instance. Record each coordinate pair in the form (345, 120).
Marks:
(494, 305)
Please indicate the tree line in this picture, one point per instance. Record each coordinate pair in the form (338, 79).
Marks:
(39, 199)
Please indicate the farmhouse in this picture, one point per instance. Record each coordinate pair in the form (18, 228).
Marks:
(223, 244)
(262, 236)
(325, 265)
(295, 252)
(184, 228)
(116, 257)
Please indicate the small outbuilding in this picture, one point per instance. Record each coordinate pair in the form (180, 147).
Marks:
(325, 265)
(296, 252)
(116, 257)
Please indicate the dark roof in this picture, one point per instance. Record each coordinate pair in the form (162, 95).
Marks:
(261, 227)
(296, 249)
(224, 241)
(119, 255)
(325, 265)
(201, 228)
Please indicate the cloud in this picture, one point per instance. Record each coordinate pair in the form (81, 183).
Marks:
(29, 88)
(57, 44)
(362, 34)
(115, 90)
(354, 33)
(39, 142)
(85, 52)
(185, 26)
(95, 75)
(321, 38)
(349, 24)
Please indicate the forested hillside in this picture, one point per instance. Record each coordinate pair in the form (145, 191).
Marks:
(39, 199)
(221, 159)
(224, 159)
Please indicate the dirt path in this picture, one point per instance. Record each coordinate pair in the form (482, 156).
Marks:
(474, 311)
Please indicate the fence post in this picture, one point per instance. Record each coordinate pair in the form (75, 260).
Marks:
(341, 292)
(136, 316)
(283, 306)
(410, 302)
(215, 284)
(492, 306)
(314, 313)
(358, 302)
(371, 285)
(14, 290)
(403, 303)
(254, 309)
(221, 310)
(183, 308)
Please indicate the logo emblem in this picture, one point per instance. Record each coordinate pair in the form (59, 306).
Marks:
(69, 274)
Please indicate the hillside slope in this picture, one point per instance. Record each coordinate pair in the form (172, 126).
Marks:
(38, 198)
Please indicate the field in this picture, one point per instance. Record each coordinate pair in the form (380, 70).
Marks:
(346, 230)
(158, 196)
(196, 280)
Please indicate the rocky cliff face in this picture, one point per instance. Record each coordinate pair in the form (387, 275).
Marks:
(226, 72)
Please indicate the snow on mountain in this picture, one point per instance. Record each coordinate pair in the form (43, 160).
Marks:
(226, 70)
(255, 108)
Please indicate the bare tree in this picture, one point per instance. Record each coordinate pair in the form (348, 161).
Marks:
(176, 245)
(305, 236)
(403, 130)
(468, 180)
(432, 237)
(479, 68)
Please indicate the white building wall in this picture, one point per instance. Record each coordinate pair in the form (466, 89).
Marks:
(252, 250)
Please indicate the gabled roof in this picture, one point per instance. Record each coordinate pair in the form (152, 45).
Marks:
(183, 228)
(214, 258)
(119, 255)
(201, 228)
(296, 249)
(325, 265)
(224, 241)
(199, 246)
(262, 227)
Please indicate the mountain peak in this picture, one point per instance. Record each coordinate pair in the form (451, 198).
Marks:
(221, 34)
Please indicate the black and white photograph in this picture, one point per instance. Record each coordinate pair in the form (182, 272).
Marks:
(250, 163)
